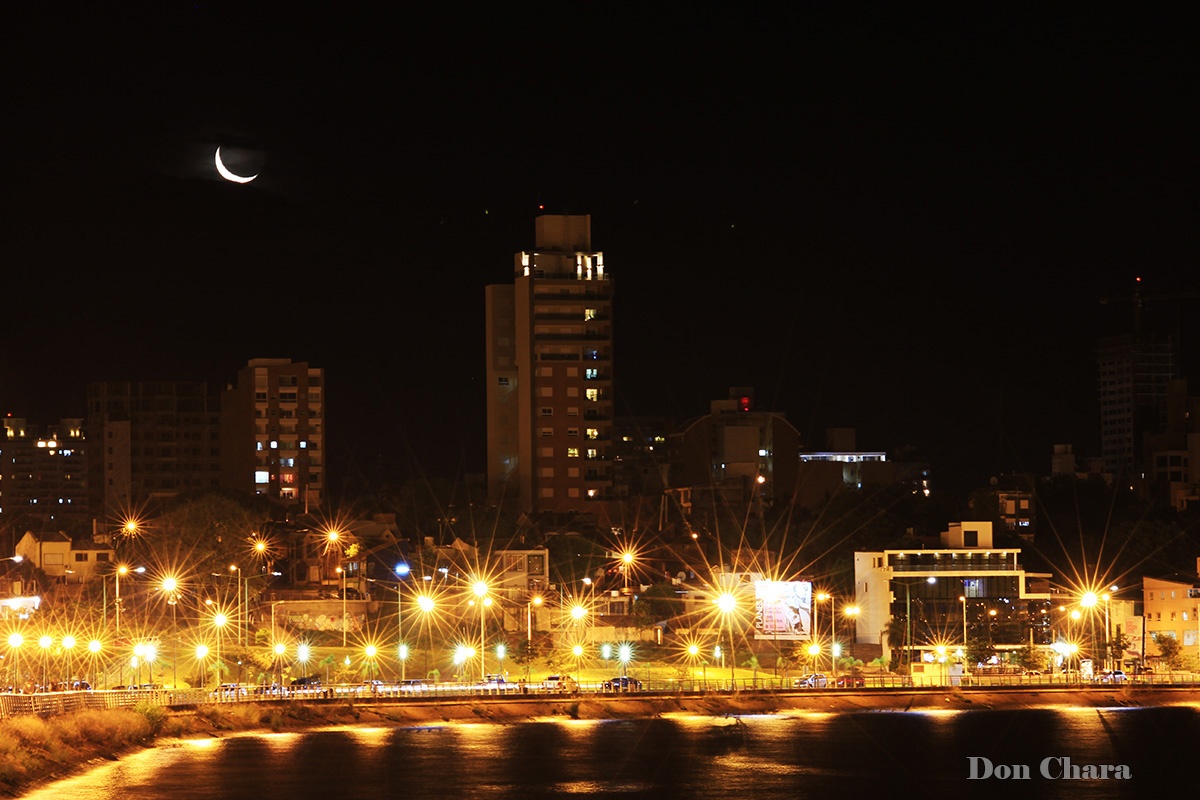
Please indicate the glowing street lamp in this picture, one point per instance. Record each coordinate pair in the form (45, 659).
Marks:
(402, 654)
(426, 605)
(94, 647)
(15, 640)
(219, 620)
(727, 604)
(45, 642)
(480, 588)
(535, 601)
(624, 655)
(302, 654)
(280, 648)
(68, 644)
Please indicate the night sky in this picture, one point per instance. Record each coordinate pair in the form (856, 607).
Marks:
(899, 223)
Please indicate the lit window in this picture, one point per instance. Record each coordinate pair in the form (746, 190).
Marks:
(591, 373)
(593, 395)
(589, 313)
(262, 476)
(572, 452)
(593, 433)
(591, 453)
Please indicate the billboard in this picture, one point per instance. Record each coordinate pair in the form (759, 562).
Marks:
(783, 610)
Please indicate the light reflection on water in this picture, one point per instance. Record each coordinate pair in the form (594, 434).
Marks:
(699, 758)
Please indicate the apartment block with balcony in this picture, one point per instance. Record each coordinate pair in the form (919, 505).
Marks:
(273, 432)
(550, 374)
(43, 476)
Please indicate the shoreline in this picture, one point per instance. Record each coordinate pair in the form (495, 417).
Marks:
(72, 757)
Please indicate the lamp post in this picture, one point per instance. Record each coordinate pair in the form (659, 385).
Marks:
(402, 571)
(908, 617)
(45, 643)
(727, 604)
(121, 570)
(280, 648)
(481, 588)
(15, 640)
(426, 605)
(820, 597)
(94, 647)
(170, 585)
(963, 600)
(536, 600)
(68, 644)
(342, 573)
(1089, 601)
(219, 621)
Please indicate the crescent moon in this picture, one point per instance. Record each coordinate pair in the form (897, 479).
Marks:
(230, 176)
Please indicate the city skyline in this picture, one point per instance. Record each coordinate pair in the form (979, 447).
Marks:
(901, 225)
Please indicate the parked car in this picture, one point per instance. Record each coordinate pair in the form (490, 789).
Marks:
(560, 683)
(815, 680)
(493, 683)
(622, 683)
(306, 683)
(229, 691)
(851, 682)
(1113, 676)
(374, 686)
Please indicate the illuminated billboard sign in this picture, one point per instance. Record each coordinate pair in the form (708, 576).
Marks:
(783, 610)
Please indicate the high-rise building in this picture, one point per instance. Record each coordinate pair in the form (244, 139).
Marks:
(273, 432)
(1134, 371)
(43, 477)
(149, 440)
(550, 374)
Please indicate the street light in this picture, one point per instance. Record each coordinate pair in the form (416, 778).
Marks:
(341, 572)
(402, 571)
(821, 597)
(535, 601)
(15, 640)
(425, 604)
(94, 647)
(45, 643)
(908, 615)
(727, 604)
(122, 569)
(280, 648)
(481, 589)
(963, 600)
(170, 585)
(68, 644)
(219, 621)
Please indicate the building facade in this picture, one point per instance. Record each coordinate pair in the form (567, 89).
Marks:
(43, 477)
(964, 591)
(550, 374)
(272, 432)
(149, 440)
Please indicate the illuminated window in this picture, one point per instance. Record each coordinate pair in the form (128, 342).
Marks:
(593, 433)
(572, 452)
(593, 395)
(589, 313)
(262, 476)
(591, 373)
(591, 453)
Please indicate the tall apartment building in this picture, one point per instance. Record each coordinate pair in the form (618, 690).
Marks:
(149, 440)
(1134, 371)
(43, 477)
(273, 432)
(550, 374)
